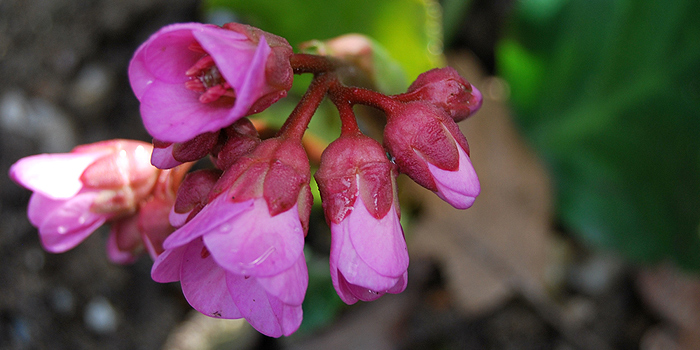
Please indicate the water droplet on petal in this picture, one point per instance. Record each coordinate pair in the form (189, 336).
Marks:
(61, 230)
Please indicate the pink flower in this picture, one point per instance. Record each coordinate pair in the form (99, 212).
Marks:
(77, 192)
(242, 255)
(428, 146)
(194, 78)
(368, 250)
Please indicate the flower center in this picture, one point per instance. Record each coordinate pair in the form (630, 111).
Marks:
(205, 78)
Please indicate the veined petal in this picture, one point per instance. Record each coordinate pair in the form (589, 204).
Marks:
(116, 255)
(460, 187)
(379, 243)
(267, 314)
(290, 285)
(358, 292)
(204, 283)
(166, 267)
(162, 158)
(354, 269)
(55, 176)
(172, 113)
(255, 243)
(215, 216)
(166, 55)
(340, 283)
(178, 219)
(124, 240)
(63, 224)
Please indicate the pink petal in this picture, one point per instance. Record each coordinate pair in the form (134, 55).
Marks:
(178, 219)
(254, 243)
(358, 292)
(290, 285)
(114, 254)
(172, 113)
(264, 312)
(162, 158)
(400, 285)
(379, 243)
(240, 62)
(63, 224)
(166, 268)
(216, 215)
(54, 175)
(204, 283)
(460, 187)
(339, 281)
(166, 55)
(354, 269)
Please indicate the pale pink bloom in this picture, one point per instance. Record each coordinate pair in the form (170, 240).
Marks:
(77, 192)
(193, 78)
(428, 146)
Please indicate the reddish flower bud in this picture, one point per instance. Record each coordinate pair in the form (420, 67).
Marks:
(358, 189)
(445, 88)
(428, 146)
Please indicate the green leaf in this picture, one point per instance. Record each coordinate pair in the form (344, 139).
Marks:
(410, 30)
(609, 93)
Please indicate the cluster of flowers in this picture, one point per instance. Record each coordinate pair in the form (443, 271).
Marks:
(234, 235)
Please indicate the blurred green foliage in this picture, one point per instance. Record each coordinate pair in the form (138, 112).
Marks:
(410, 30)
(609, 92)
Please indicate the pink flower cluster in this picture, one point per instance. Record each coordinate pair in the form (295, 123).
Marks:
(233, 235)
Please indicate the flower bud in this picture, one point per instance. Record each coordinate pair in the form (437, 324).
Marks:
(446, 89)
(358, 190)
(428, 146)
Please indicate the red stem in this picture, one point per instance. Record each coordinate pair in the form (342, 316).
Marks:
(348, 120)
(299, 119)
(305, 63)
(375, 99)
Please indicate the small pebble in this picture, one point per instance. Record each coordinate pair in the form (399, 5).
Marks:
(91, 88)
(38, 119)
(100, 316)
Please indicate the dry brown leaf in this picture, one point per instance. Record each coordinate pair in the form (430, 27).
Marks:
(675, 296)
(502, 241)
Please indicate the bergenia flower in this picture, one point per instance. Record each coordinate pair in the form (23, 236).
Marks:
(194, 78)
(446, 89)
(358, 189)
(428, 146)
(242, 255)
(77, 192)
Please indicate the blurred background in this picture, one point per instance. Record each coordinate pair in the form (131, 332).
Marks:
(586, 234)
